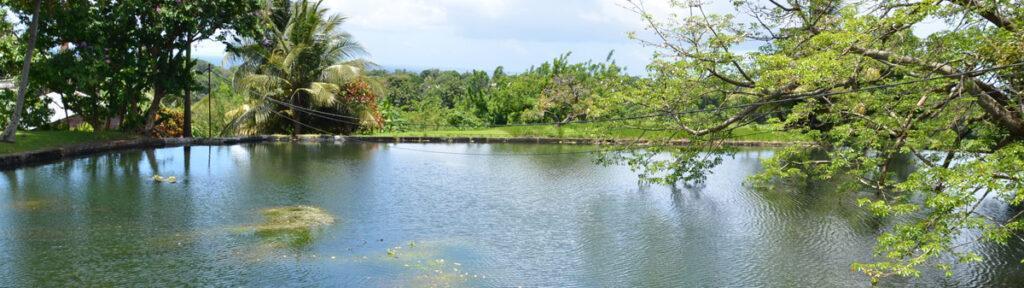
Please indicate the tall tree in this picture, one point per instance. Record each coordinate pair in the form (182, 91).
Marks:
(109, 58)
(10, 132)
(302, 62)
(169, 30)
(853, 76)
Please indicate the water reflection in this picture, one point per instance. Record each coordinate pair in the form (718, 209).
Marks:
(541, 220)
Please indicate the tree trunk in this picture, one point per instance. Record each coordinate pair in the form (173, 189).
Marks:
(297, 125)
(12, 128)
(188, 92)
(154, 108)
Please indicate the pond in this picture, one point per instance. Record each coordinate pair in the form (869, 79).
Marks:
(399, 215)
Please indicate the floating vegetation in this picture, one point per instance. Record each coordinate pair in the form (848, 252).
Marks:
(429, 270)
(292, 226)
(161, 179)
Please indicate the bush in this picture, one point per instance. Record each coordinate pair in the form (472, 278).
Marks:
(170, 123)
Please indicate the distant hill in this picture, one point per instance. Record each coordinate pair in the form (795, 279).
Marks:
(220, 76)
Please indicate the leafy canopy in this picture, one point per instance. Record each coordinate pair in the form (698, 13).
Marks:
(872, 95)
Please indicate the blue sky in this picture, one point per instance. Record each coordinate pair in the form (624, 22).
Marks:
(483, 34)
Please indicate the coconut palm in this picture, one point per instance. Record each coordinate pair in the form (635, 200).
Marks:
(10, 132)
(303, 64)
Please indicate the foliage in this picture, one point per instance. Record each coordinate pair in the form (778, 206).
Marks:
(210, 119)
(10, 48)
(35, 115)
(302, 65)
(555, 91)
(103, 57)
(12, 51)
(169, 123)
(572, 89)
(596, 131)
(852, 76)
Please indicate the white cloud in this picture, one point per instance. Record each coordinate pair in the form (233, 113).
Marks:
(392, 15)
(210, 51)
(516, 34)
(487, 8)
(406, 15)
(483, 34)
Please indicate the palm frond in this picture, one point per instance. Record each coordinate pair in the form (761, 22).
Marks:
(323, 94)
(261, 85)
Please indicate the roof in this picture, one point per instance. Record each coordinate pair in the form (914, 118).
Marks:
(57, 106)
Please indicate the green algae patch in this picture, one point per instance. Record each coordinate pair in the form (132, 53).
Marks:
(292, 226)
(293, 218)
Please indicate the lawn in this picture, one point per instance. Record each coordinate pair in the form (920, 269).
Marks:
(41, 140)
(595, 131)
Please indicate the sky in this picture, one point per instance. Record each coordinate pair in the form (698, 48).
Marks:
(483, 34)
(469, 35)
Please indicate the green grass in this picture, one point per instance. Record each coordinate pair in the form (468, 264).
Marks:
(42, 140)
(595, 131)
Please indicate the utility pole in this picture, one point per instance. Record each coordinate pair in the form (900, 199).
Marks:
(188, 88)
(209, 98)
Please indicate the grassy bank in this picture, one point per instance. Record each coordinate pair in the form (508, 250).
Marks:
(593, 131)
(42, 140)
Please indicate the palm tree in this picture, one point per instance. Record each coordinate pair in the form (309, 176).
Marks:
(12, 128)
(303, 64)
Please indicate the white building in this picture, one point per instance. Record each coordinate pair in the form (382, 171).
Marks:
(56, 105)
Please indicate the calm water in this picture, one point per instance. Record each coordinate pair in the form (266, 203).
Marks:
(406, 217)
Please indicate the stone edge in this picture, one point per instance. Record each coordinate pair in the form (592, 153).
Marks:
(19, 160)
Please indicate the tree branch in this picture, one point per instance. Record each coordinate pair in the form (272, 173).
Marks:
(990, 98)
(990, 14)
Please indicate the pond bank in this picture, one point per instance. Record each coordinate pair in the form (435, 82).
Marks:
(550, 140)
(22, 159)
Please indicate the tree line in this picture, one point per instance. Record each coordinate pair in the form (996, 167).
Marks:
(557, 91)
(126, 66)
(113, 62)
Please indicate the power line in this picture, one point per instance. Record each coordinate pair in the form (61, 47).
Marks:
(303, 124)
(321, 114)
